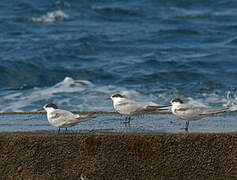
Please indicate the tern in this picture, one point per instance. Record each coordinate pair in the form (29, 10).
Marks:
(188, 112)
(130, 108)
(63, 119)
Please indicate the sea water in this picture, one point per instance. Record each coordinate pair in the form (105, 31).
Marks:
(77, 53)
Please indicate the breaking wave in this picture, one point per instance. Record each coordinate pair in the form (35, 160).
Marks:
(69, 93)
(84, 95)
(51, 17)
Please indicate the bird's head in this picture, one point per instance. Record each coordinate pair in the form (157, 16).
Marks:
(175, 101)
(48, 107)
(115, 96)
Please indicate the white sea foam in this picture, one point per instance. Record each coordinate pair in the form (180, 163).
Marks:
(196, 102)
(51, 17)
(70, 93)
(84, 95)
(132, 94)
(231, 100)
(19, 100)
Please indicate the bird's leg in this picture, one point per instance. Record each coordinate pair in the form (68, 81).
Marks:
(186, 126)
(66, 131)
(126, 120)
(129, 118)
(58, 130)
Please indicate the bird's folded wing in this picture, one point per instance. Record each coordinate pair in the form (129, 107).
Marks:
(86, 117)
(77, 119)
(124, 103)
(128, 106)
(59, 113)
(156, 107)
(205, 112)
(148, 109)
(183, 109)
(187, 108)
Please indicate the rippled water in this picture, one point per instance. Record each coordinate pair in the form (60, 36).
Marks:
(76, 53)
(113, 123)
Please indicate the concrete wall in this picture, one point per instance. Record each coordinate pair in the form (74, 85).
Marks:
(111, 156)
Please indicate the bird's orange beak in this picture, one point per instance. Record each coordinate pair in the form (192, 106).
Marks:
(41, 109)
(108, 98)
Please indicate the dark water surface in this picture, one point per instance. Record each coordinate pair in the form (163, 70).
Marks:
(76, 53)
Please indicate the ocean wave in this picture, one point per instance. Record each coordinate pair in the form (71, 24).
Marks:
(23, 100)
(84, 95)
(51, 17)
(231, 41)
(231, 98)
(70, 94)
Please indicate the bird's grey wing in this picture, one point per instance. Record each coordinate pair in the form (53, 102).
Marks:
(128, 107)
(209, 112)
(78, 119)
(188, 111)
(186, 108)
(83, 118)
(62, 114)
(202, 112)
(63, 118)
(154, 108)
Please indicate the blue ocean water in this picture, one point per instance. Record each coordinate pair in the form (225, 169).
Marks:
(76, 53)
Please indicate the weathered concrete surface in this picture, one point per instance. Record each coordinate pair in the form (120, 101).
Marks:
(115, 156)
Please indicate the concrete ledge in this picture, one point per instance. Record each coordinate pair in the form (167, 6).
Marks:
(111, 156)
